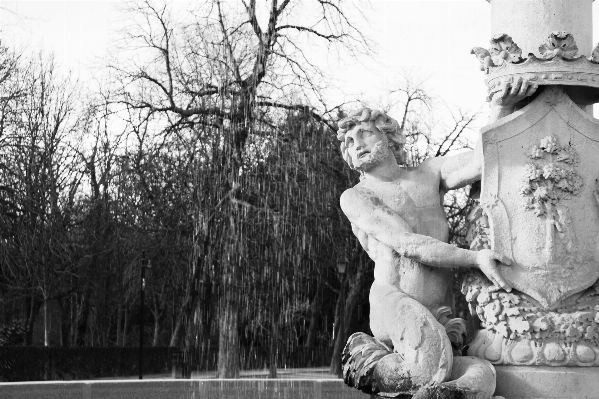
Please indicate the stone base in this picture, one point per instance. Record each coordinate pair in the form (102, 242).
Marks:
(513, 382)
(526, 352)
(182, 389)
(518, 382)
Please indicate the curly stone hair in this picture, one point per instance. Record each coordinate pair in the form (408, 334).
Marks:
(383, 122)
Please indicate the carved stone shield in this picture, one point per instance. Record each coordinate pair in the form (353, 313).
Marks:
(541, 166)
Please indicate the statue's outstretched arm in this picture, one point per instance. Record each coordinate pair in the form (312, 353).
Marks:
(364, 209)
(466, 168)
(460, 170)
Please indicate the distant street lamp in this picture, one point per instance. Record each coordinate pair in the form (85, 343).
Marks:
(341, 268)
(142, 287)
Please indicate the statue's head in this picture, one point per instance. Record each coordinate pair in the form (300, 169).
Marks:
(386, 131)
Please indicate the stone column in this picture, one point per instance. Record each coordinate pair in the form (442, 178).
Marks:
(540, 204)
(528, 22)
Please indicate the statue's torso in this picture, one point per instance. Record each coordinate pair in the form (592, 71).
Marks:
(416, 198)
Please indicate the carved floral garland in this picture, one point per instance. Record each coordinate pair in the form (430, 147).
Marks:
(545, 186)
(513, 316)
(516, 316)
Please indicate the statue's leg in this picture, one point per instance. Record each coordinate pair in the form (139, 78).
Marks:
(423, 348)
(476, 377)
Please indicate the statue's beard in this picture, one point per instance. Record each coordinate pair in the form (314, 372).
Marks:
(379, 152)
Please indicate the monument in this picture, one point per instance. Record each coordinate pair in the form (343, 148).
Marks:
(539, 201)
(536, 230)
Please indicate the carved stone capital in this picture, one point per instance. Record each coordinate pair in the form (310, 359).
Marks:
(558, 64)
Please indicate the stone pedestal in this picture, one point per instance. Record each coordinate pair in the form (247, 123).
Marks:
(515, 382)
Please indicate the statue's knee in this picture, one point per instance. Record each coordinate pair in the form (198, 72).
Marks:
(417, 324)
(422, 341)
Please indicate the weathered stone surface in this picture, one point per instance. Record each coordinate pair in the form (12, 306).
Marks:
(527, 352)
(558, 64)
(539, 207)
(538, 192)
(517, 382)
(530, 21)
(518, 331)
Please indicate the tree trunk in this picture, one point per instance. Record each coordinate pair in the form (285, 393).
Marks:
(46, 321)
(72, 319)
(274, 339)
(125, 326)
(349, 306)
(175, 335)
(314, 313)
(33, 307)
(119, 316)
(156, 328)
(339, 340)
(82, 320)
(64, 325)
(354, 293)
(228, 336)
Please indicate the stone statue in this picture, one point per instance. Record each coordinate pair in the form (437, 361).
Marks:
(398, 217)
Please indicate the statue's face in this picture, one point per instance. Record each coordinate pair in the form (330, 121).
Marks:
(367, 146)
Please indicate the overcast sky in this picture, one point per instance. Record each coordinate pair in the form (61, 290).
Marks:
(430, 38)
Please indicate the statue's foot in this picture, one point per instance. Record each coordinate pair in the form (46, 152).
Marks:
(393, 378)
(474, 376)
(370, 366)
(360, 356)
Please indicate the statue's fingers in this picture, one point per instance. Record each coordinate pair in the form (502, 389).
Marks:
(491, 277)
(502, 283)
(523, 88)
(531, 89)
(502, 258)
(516, 86)
(505, 89)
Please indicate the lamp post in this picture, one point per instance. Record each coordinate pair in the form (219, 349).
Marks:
(341, 268)
(142, 288)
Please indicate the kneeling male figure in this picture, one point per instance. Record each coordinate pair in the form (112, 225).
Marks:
(397, 215)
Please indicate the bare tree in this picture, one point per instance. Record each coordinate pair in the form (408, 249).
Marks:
(38, 141)
(221, 73)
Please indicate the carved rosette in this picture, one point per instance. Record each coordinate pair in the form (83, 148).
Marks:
(503, 49)
(558, 63)
(559, 44)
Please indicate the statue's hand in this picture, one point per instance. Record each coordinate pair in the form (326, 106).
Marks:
(511, 93)
(486, 261)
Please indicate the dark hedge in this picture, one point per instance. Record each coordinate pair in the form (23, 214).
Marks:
(24, 363)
